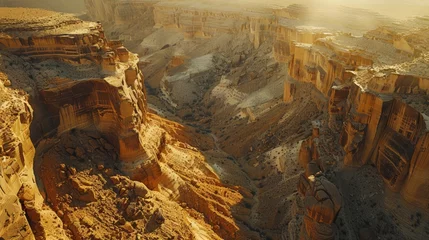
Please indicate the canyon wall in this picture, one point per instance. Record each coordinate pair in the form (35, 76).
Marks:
(370, 82)
(371, 77)
(16, 154)
(115, 105)
(96, 142)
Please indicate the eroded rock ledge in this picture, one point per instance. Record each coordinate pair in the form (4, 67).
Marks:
(99, 151)
(371, 79)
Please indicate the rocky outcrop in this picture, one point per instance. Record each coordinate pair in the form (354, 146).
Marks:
(52, 36)
(93, 123)
(16, 154)
(319, 200)
(415, 187)
(370, 82)
(115, 106)
(288, 31)
(363, 121)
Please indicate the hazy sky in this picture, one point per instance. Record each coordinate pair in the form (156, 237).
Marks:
(391, 8)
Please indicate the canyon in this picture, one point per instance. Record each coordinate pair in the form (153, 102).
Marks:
(151, 119)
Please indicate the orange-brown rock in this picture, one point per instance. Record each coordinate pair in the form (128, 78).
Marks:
(322, 202)
(363, 124)
(415, 189)
(16, 154)
(309, 150)
(289, 91)
(396, 146)
(98, 126)
(337, 107)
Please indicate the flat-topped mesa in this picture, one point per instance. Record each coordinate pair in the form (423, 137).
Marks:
(377, 86)
(48, 34)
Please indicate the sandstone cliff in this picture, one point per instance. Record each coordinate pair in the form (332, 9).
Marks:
(222, 67)
(97, 143)
(17, 152)
(377, 89)
(356, 66)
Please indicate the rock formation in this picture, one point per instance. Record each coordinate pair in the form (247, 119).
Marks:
(92, 127)
(378, 127)
(254, 82)
(319, 201)
(17, 153)
(370, 79)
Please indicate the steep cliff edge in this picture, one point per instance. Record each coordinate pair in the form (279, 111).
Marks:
(17, 152)
(361, 76)
(376, 86)
(221, 69)
(104, 164)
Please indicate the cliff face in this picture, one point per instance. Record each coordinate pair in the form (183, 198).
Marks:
(370, 82)
(97, 143)
(131, 171)
(373, 88)
(17, 153)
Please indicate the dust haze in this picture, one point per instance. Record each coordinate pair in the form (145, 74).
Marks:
(392, 8)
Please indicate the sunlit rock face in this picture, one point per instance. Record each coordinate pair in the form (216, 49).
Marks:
(99, 142)
(376, 86)
(52, 36)
(95, 104)
(16, 154)
(113, 104)
(76, 104)
(396, 145)
(363, 123)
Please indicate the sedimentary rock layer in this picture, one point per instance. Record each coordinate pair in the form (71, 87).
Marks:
(16, 154)
(93, 115)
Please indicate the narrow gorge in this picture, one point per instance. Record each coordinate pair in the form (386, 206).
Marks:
(151, 119)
